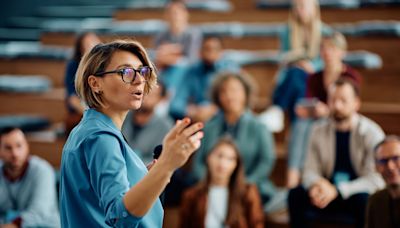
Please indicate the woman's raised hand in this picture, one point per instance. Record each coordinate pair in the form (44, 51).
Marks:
(180, 142)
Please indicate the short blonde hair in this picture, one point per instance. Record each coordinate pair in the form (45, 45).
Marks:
(97, 61)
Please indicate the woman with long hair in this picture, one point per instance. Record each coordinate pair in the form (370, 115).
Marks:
(300, 44)
(223, 198)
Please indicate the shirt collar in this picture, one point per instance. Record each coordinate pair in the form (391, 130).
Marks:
(94, 114)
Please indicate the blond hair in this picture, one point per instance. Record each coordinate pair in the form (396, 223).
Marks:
(97, 61)
(297, 33)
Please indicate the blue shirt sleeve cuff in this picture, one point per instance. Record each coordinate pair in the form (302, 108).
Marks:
(121, 216)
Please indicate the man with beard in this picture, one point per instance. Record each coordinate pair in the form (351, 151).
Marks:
(384, 206)
(28, 196)
(339, 172)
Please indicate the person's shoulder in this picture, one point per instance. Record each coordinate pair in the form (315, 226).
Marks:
(39, 165)
(368, 125)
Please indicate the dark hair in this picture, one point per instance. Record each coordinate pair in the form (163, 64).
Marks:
(348, 81)
(237, 183)
(389, 138)
(225, 76)
(79, 44)
(7, 130)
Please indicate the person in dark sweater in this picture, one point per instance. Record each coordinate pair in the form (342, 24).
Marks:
(383, 208)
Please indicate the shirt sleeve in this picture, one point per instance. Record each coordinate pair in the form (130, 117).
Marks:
(108, 177)
(266, 148)
(312, 165)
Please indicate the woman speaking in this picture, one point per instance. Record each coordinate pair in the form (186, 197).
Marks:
(103, 182)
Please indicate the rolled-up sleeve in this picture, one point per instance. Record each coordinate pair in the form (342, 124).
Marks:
(108, 178)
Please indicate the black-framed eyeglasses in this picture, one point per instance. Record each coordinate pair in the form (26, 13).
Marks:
(385, 161)
(129, 74)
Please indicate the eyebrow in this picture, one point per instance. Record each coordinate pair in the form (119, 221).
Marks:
(127, 65)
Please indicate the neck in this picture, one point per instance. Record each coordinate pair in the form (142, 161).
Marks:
(232, 117)
(332, 72)
(345, 125)
(14, 173)
(394, 191)
(117, 117)
(178, 30)
(219, 182)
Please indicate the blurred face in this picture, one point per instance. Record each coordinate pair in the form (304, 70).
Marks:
(330, 53)
(117, 94)
(88, 42)
(177, 15)
(388, 163)
(222, 162)
(14, 150)
(232, 96)
(343, 102)
(211, 50)
(305, 10)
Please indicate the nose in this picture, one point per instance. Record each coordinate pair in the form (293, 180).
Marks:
(139, 79)
(391, 164)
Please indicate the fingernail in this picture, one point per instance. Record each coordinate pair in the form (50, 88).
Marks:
(200, 124)
(186, 120)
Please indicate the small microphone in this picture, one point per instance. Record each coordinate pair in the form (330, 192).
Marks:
(157, 151)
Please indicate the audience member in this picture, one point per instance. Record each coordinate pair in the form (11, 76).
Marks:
(339, 171)
(232, 94)
(84, 43)
(222, 199)
(28, 196)
(177, 46)
(145, 128)
(383, 208)
(192, 98)
(314, 106)
(300, 41)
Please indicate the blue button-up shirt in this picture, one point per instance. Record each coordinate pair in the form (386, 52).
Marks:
(98, 167)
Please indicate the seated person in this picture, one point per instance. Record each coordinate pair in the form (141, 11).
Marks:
(28, 196)
(300, 42)
(383, 208)
(232, 94)
(84, 43)
(339, 171)
(192, 97)
(145, 128)
(223, 198)
(314, 106)
(177, 46)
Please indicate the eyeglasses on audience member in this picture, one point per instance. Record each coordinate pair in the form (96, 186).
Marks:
(385, 161)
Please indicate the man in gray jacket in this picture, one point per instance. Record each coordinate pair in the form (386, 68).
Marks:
(339, 171)
(28, 196)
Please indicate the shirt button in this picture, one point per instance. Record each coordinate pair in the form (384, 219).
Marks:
(124, 214)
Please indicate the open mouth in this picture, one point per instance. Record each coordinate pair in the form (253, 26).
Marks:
(137, 93)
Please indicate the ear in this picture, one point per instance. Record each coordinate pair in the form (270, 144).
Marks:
(95, 83)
